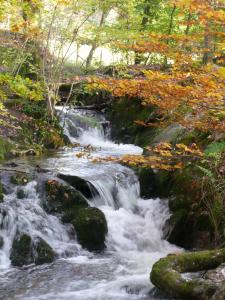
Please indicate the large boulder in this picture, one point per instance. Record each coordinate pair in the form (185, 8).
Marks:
(26, 251)
(91, 228)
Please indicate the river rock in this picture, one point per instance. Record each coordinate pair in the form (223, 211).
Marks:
(62, 197)
(43, 252)
(78, 183)
(91, 228)
(89, 222)
(20, 194)
(20, 179)
(1, 242)
(26, 251)
(21, 253)
(1, 193)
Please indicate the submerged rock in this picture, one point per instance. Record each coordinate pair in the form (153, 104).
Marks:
(166, 274)
(91, 228)
(26, 251)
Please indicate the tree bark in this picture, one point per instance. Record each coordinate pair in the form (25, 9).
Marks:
(95, 43)
(138, 57)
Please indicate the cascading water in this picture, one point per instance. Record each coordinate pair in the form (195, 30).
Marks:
(135, 226)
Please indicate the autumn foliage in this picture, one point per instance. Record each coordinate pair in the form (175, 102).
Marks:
(190, 90)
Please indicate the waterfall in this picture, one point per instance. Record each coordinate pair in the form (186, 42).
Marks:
(135, 226)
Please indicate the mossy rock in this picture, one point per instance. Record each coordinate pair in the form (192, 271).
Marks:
(1, 242)
(1, 193)
(44, 253)
(145, 136)
(20, 194)
(91, 228)
(123, 114)
(25, 251)
(203, 222)
(166, 274)
(89, 222)
(179, 202)
(81, 185)
(147, 183)
(171, 134)
(21, 253)
(179, 232)
(20, 179)
(61, 197)
(53, 139)
(155, 183)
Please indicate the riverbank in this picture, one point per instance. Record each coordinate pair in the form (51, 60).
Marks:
(26, 130)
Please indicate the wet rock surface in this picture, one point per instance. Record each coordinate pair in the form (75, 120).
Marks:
(26, 251)
(61, 196)
(78, 183)
(89, 222)
(91, 228)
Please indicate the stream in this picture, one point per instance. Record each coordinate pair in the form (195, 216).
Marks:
(135, 226)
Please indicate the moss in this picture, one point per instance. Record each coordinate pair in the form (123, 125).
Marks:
(155, 183)
(5, 148)
(179, 202)
(20, 179)
(21, 251)
(145, 136)
(91, 228)
(203, 222)
(63, 198)
(44, 253)
(166, 274)
(25, 251)
(178, 227)
(147, 183)
(81, 185)
(123, 114)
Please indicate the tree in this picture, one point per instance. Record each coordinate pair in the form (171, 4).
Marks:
(190, 92)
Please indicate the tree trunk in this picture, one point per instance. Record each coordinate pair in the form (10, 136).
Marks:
(95, 42)
(139, 57)
(208, 45)
(170, 29)
(90, 55)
